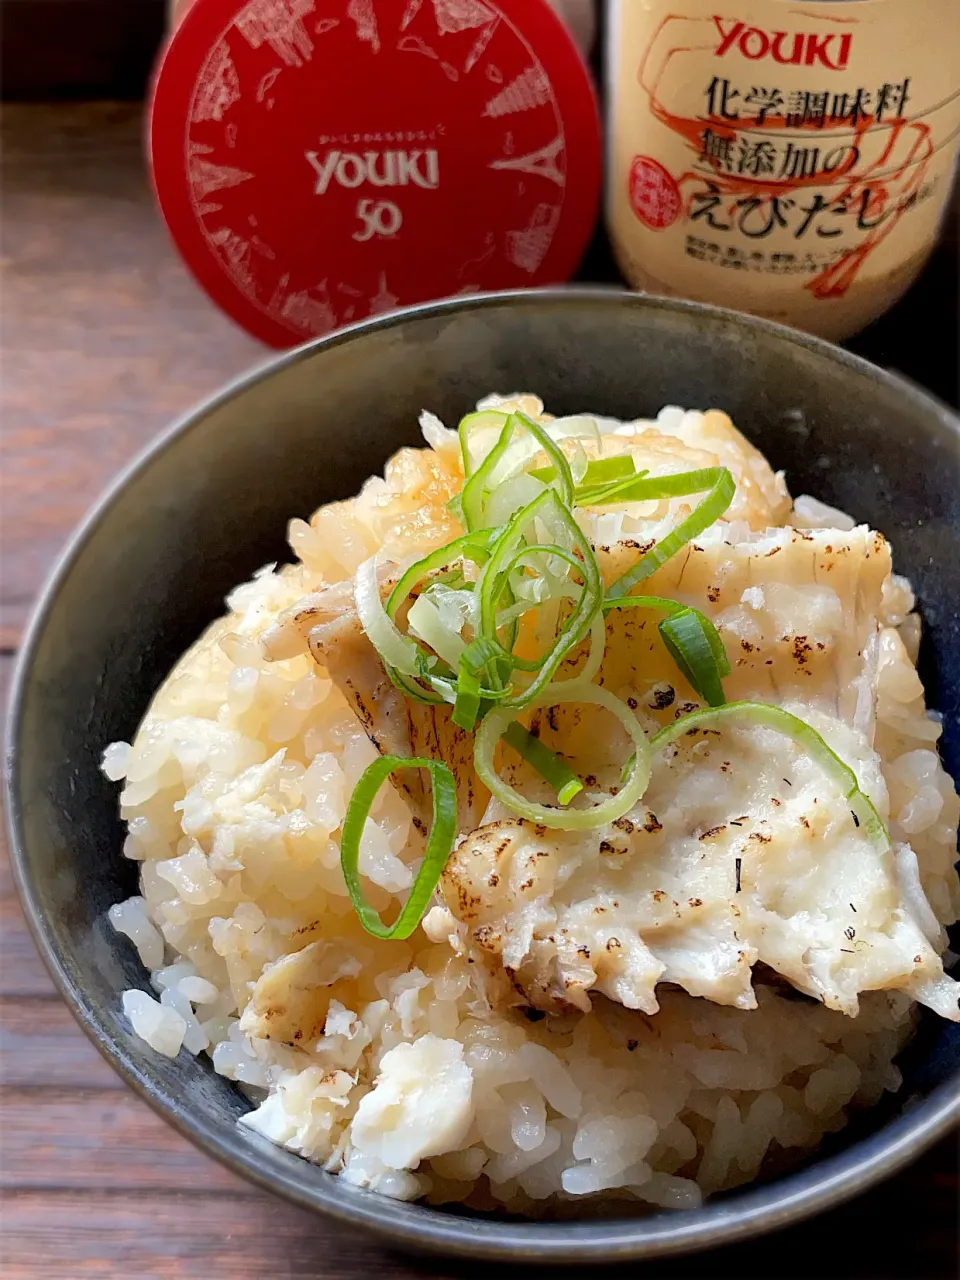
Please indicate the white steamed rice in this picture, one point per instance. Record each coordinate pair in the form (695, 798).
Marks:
(400, 1075)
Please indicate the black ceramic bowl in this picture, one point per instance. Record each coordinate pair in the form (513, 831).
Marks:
(208, 504)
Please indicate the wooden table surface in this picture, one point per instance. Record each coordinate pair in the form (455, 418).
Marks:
(105, 340)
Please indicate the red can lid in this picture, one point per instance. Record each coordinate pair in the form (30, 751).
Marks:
(319, 161)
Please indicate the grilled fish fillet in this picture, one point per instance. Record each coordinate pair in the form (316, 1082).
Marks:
(742, 851)
(327, 623)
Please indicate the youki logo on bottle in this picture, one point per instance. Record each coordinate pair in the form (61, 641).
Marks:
(378, 168)
(789, 48)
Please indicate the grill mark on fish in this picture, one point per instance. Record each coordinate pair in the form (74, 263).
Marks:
(394, 723)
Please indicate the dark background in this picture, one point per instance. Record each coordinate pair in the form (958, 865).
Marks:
(93, 50)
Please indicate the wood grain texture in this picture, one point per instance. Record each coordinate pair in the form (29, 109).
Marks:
(97, 1154)
(135, 1231)
(41, 1047)
(105, 340)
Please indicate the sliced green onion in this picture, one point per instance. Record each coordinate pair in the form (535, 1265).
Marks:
(806, 737)
(479, 656)
(598, 645)
(501, 471)
(576, 426)
(482, 655)
(722, 487)
(495, 725)
(443, 831)
(478, 434)
(524, 604)
(596, 495)
(527, 446)
(478, 483)
(440, 692)
(546, 762)
(425, 624)
(537, 549)
(560, 465)
(397, 650)
(466, 709)
(642, 487)
(688, 636)
(643, 602)
(489, 467)
(469, 546)
(506, 553)
(599, 471)
(692, 641)
(480, 431)
(509, 497)
(578, 461)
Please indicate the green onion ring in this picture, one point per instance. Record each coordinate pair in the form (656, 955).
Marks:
(466, 709)
(475, 487)
(496, 570)
(469, 546)
(539, 548)
(561, 466)
(490, 474)
(495, 725)
(443, 831)
(806, 737)
(643, 487)
(491, 420)
(599, 472)
(459, 549)
(547, 763)
(704, 514)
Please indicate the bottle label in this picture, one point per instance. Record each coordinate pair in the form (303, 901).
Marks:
(791, 159)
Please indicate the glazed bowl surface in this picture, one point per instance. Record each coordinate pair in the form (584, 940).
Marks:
(208, 503)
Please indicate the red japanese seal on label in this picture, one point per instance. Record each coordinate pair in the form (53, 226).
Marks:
(654, 194)
(319, 161)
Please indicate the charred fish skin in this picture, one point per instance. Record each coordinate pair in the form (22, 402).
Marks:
(328, 625)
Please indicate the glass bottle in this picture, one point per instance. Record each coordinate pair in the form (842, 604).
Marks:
(789, 159)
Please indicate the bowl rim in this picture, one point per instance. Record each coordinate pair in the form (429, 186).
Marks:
(750, 1211)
